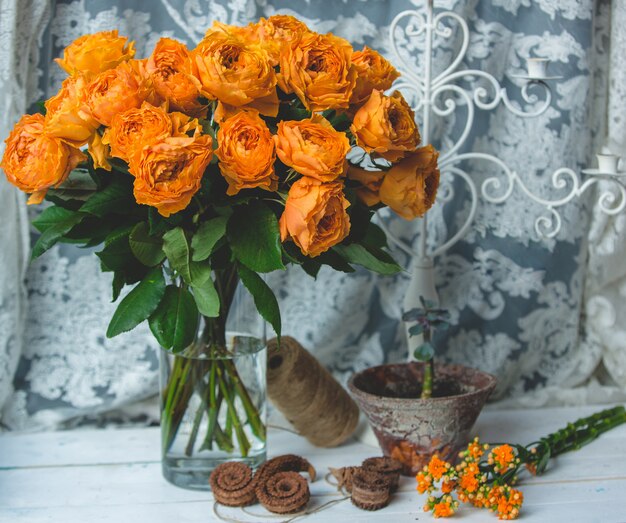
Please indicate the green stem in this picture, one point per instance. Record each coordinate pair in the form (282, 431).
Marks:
(429, 372)
(244, 444)
(252, 413)
(194, 432)
(583, 431)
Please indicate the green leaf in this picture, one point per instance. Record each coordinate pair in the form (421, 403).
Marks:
(375, 237)
(416, 330)
(334, 260)
(208, 234)
(53, 223)
(176, 247)
(51, 216)
(116, 254)
(117, 257)
(207, 299)
(92, 231)
(175, 321)
(264, 298)
(424, 352)
(116, 198)
(200, 272)
(544, 460)
(118, 284)
(139, 304)
(254, 237)
(375, 260)
(147, 249)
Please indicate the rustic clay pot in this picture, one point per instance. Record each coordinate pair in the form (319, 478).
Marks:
(411, 429)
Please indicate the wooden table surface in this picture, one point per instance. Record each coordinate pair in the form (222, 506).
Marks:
(93, 476)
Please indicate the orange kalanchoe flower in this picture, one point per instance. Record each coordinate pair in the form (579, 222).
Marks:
(91, 54)
(374, 72)
(168, 173)
(505, 501)
(246, 153)
(67, 115)
(235, 73)
(468, 478)
(437, 467)
(503, 457)
(318, 69)
(34, 161)
(170, 68)
(424, 482)
(474, 450)
(315, 216)
(443, 509)
(313, 148)
(410, 186)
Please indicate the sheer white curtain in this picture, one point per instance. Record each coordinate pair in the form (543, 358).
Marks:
(333, 316)
(22, 23)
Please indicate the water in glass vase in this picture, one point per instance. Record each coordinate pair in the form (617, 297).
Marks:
(213, 409)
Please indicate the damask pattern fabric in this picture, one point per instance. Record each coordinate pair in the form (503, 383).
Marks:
(516, 300)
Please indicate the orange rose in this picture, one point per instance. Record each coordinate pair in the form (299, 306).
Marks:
(130, 131)
(279, 31)
(168, 173)
(318, 68)
(373, 72)
(370, 182)
(100, 152)
(116, 91)
(246, 153)
(315, 216)
(235, 73)
(313, 148)
(386, 126)
(94, 53)
(34, 161)
(247, 34)
(171, 70)
(410, 186)
(67, 116)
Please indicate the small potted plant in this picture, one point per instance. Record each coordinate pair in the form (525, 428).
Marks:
(421, 408)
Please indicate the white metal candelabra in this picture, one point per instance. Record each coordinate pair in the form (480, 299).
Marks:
(428, 89)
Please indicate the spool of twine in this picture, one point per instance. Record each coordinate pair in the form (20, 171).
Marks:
(308, 396)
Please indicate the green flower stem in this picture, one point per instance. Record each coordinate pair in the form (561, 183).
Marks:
(173, 411)
(576, 435)
(244, 444)
(194, 432)
(252, 413)
(429, 372)
(223, 440)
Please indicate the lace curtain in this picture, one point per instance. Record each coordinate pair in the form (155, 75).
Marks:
(544, 316)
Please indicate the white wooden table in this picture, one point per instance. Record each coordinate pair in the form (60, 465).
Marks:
(94, 476)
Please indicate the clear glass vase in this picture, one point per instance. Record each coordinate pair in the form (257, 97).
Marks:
(213, 398)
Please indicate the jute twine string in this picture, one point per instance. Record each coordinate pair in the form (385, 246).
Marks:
(308, 396)
(292, 517)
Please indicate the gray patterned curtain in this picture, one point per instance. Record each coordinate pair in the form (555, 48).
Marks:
(518, 303)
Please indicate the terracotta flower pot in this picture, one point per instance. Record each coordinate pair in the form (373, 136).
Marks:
(411, 429)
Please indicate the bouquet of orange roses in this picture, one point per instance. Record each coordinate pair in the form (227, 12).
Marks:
(199, 168)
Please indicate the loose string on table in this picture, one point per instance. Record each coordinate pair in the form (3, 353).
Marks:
(293, 517)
